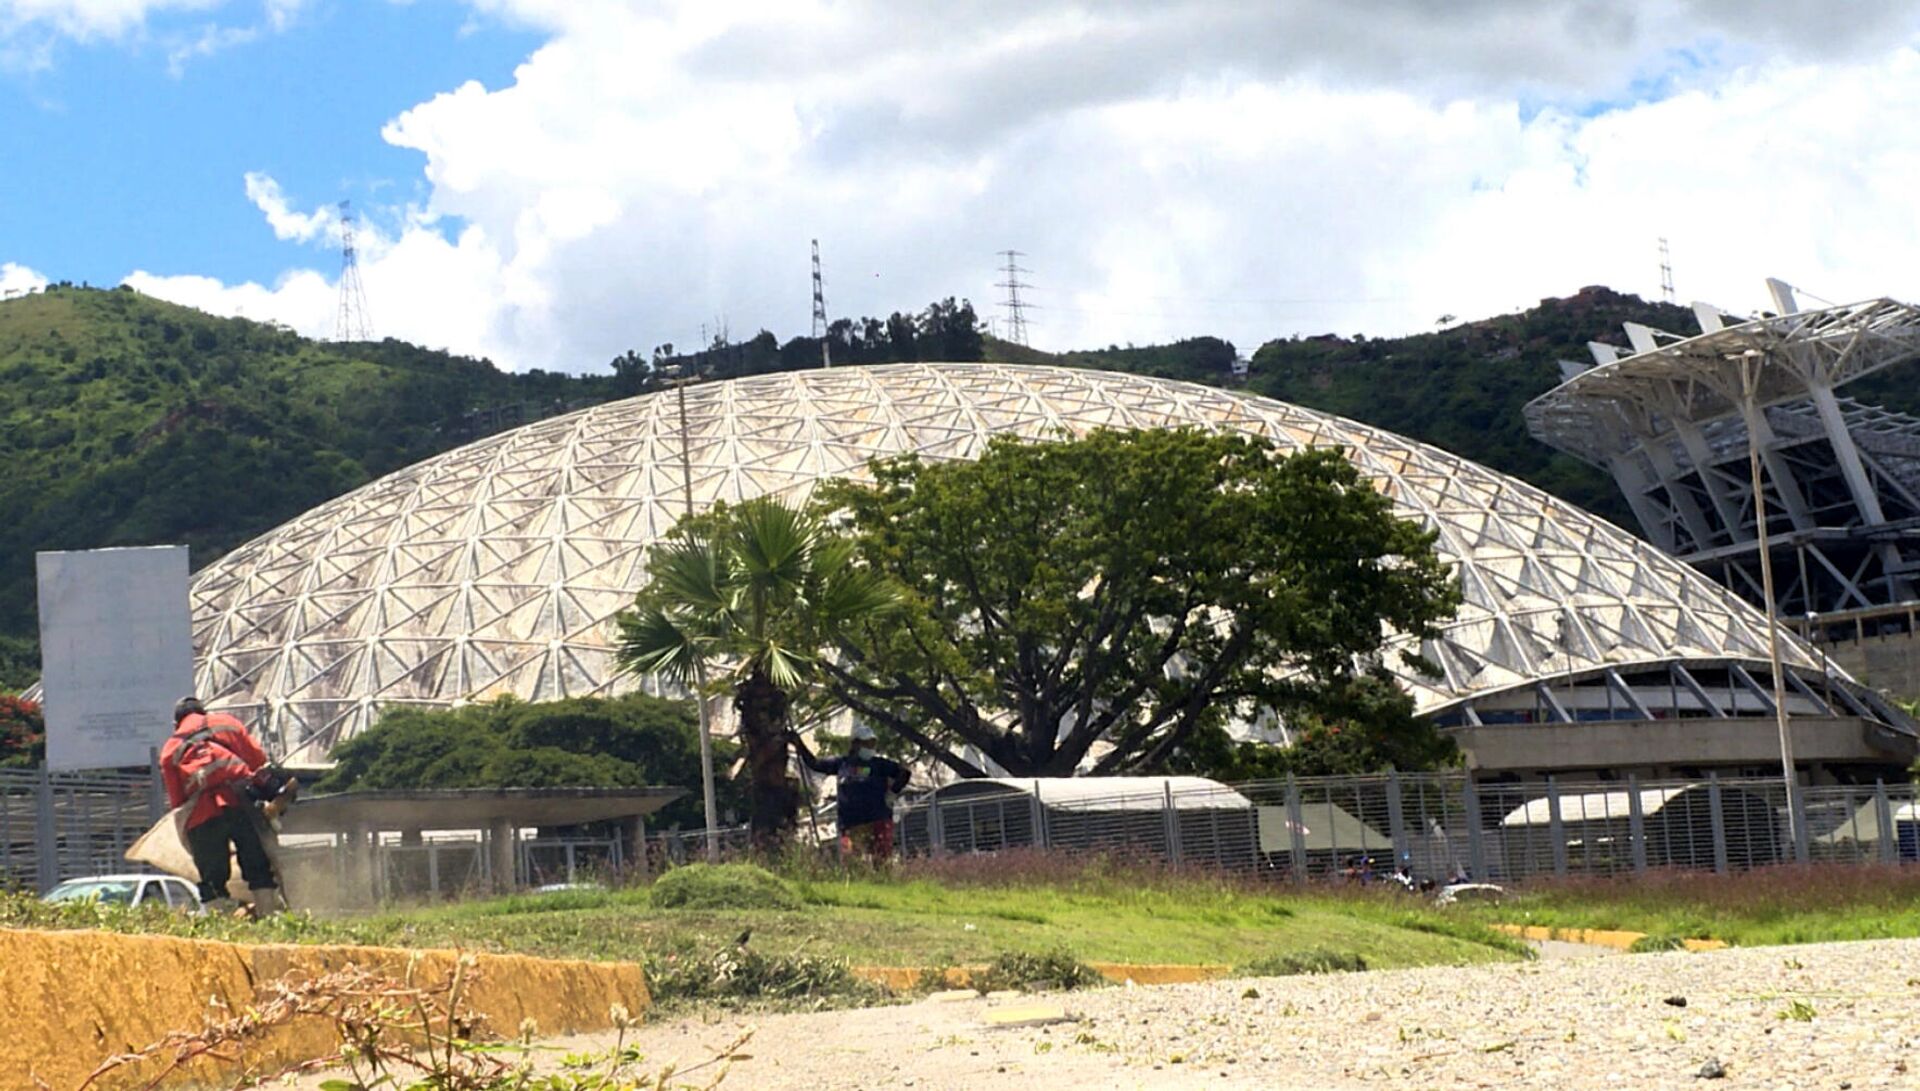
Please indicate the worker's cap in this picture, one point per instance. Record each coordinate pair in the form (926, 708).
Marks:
(863, 733)
(187, 706)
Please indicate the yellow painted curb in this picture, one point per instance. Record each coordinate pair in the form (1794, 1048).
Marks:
(907, 978)
(73, 998)
(1597, 937)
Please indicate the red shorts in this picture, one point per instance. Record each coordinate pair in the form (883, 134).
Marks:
(872, 839)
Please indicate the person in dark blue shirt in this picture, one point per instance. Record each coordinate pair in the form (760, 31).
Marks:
(864, 778)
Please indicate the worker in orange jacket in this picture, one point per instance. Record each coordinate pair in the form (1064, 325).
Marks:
(210, 761)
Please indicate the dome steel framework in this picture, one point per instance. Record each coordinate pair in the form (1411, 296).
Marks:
(497, 568)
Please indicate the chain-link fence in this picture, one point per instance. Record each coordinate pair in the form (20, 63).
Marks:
(1438, 827)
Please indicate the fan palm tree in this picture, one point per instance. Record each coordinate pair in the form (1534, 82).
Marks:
(752, 595)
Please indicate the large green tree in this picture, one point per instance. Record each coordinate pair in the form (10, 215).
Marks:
(1095, 603)
(630, 741)
(749, 596)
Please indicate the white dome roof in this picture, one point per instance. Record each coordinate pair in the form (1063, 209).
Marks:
(497, 568)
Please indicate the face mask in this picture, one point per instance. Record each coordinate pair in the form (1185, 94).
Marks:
(865, 753)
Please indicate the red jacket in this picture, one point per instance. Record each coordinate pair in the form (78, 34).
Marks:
(223, 781)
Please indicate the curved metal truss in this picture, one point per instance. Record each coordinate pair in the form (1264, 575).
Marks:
(1673, 423)
(497, 568)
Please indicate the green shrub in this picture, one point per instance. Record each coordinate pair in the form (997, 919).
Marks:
(1055, 969)
(723, 886)
(1314, 960)
(1662, 942)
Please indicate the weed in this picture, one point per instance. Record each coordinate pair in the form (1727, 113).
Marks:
(1798, 1010)
(1056, 969)
(732, 975)
(1312, 961)
(1649, 944)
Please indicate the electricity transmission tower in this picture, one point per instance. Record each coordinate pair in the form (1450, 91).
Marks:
(350, 322)
(1666, 273)
(820, 307)
(1015, 307)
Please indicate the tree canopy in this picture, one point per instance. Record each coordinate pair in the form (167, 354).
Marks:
(631, 741)
(1127, 588)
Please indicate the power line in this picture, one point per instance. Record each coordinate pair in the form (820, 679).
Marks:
(350, 321)
(1015, 307)
(820, 307)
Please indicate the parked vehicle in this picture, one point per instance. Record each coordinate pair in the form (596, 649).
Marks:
(129, 890)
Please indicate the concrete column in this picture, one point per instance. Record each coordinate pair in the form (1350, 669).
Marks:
(1701, 455)
(1834, 422)
(361, 887)
(1556, 828)
(637, 837)
(1636, 825)
(1669, 471)
(1295, 826)
(1760, 433)
(1719, 820)
(502, 845)
(46, 838)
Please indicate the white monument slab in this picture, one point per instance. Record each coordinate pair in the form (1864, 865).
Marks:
(116, 651)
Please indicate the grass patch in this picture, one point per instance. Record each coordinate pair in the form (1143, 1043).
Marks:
(723, 886)
(1765, 906)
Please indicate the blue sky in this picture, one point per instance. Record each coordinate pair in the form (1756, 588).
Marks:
(119, 159)
(565, 180)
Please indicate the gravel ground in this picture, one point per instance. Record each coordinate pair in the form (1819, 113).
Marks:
(1833, 1016)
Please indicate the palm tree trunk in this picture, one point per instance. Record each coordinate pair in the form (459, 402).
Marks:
(762, 708)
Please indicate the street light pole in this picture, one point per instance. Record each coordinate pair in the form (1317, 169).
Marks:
(1749, 383)
(699, 665)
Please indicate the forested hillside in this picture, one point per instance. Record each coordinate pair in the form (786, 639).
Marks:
(128, 421)
(1461, 388)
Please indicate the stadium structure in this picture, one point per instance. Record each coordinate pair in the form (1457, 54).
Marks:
(1675, 418)
(497, 569)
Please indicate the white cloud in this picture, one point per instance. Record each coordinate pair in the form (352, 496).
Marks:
(31, 29)
(19, 280)
(287, 224)
(1249, 169)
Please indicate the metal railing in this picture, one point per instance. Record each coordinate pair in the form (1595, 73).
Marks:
(1442, 827)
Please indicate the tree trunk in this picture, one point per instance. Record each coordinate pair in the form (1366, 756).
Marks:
(762, 708)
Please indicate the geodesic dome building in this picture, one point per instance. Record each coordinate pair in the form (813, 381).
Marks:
(497, 568)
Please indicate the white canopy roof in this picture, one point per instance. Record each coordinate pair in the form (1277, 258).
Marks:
(1107, 793)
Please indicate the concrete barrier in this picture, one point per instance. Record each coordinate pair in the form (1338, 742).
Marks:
(1597, 937)
(75, 998)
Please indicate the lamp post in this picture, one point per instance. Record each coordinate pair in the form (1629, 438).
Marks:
(1750, 363)
(699, 666)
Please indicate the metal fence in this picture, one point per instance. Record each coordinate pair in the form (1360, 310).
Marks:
(1442, 827)
(55, 826)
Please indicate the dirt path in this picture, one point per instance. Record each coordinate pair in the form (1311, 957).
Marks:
(1827, 1016)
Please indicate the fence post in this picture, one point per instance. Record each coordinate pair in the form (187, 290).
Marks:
(1170, 818)
(936, 830)
(1796, 803)
(1476, 852)
(1040, 820)
(1397, 822)
(1296, 831)
(156, 788)
(1556, 829)
(1636, 824)
(1719, 819)
(1883, 812)
(46, 843)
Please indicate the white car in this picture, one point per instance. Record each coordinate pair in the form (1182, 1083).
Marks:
(129, 890)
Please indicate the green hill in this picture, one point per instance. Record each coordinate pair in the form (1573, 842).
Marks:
(128, 421)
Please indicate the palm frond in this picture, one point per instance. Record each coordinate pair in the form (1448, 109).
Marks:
(656, 643)
(773, 544)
